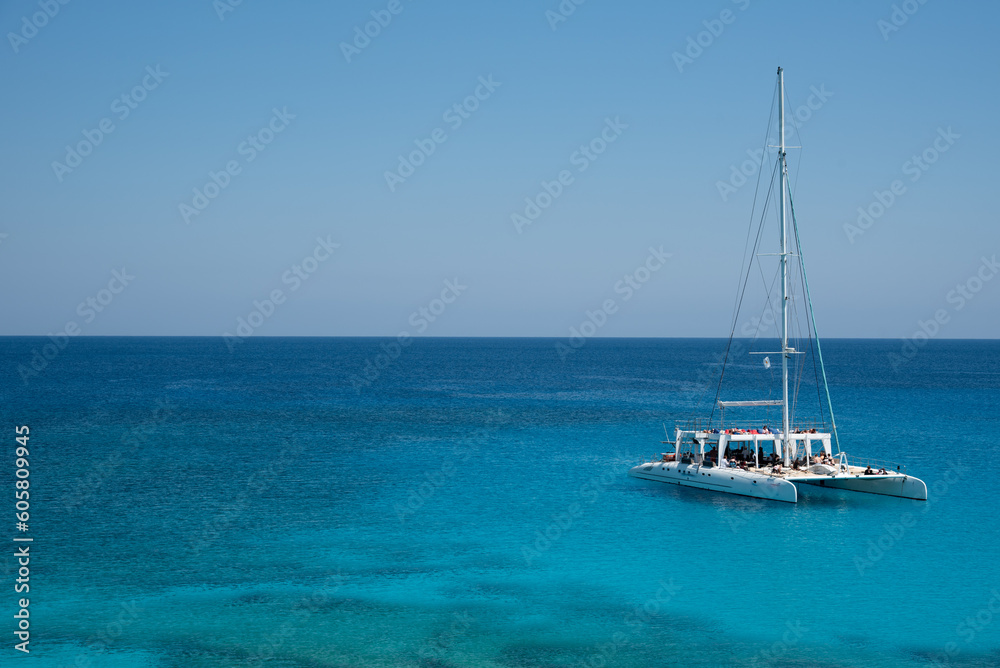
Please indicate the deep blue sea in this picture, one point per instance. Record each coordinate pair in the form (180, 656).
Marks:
(467, 504)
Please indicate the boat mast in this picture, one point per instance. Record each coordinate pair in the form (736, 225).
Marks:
(783, 168)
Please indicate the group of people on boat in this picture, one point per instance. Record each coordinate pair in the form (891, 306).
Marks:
(740, 458)
(763, 430)
(745, 459)
(881, 471)
(823, 458)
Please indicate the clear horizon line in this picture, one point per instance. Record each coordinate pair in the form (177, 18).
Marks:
(469, 336)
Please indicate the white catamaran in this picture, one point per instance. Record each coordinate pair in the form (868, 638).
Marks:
(778, 463)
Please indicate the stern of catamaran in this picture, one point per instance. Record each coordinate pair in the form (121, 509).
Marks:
(865, 475)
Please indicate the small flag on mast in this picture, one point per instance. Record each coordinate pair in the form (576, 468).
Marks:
(767, 362)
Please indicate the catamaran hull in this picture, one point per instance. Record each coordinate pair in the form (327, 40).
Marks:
(727, 481)
(906, 487)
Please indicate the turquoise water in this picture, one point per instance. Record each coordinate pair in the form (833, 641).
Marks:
(469, 507)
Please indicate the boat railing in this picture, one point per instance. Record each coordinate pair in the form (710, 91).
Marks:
(800, 426)
(806, 425)
(876, 464)
(659, 459)
(696, 424)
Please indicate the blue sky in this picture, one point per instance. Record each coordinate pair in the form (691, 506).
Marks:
(887, 97)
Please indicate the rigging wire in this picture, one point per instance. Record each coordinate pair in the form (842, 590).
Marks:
(756, 191)
(819, 348)
(767, 303)
(798, 165)
(739, 304)
(743, 262)
(812, 352)
(742, 287)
